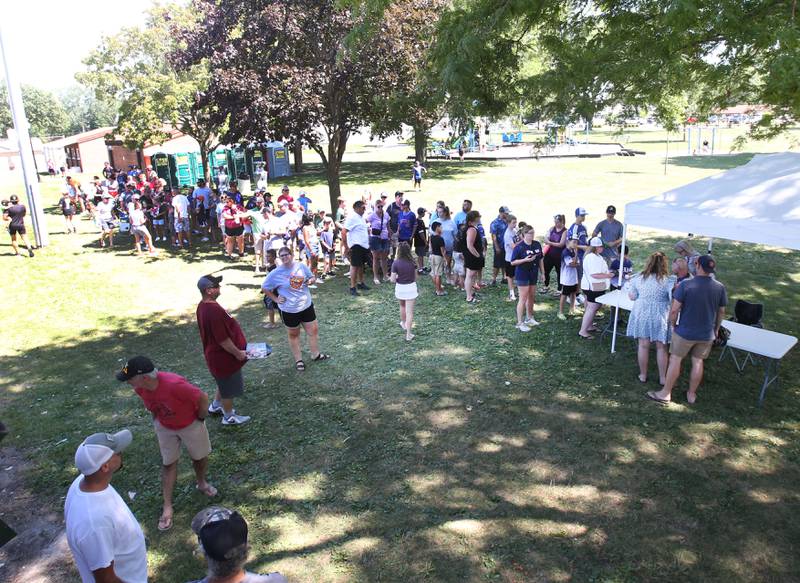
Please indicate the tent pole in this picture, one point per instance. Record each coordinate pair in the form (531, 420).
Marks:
(621, 272)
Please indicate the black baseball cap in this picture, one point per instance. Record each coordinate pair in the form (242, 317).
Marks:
(708, 263)
(208, 282)
(611, 209)
(135, 366)
(13, 198)
(220, 531)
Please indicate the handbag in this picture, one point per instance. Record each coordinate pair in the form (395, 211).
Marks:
(722, 337)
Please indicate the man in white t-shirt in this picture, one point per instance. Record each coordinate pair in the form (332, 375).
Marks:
(355, 242)
(103, 535)
(180, 204)
(104, 215)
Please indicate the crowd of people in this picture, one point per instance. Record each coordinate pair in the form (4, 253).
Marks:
(678, 307)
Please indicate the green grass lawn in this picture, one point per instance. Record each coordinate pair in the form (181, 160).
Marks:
(475, 453)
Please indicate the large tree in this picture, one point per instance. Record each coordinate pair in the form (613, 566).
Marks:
(85, 111)
(45, 113)
(134, 68)
(632, 52)
(288, 69)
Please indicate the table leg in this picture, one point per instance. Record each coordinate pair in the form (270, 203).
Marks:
(770, 376)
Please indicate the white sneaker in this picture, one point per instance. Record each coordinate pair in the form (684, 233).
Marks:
(531, 322)
(234, 419)
(312, 286)
(523, 327)
(376, 281)
(580, 300)
(214, 408)
(204, 239)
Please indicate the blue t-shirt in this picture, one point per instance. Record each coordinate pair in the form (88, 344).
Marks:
(460, 218)
(578, 231)
(291, 283)
(627, 269)
(448, 233)
(701, 297)
(498, 229)
(406, 221)
(527, 272)
(304, 202)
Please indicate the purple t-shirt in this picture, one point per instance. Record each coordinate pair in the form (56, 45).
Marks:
(405, 270)
(378, 223)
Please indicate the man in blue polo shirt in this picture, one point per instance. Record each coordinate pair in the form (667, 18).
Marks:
(700, 302)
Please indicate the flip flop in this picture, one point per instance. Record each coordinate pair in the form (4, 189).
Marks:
(644, 382)
(209, 490)
(164, 523)
(300, 365)
(652, 396)
(321, 356)
(589, 337)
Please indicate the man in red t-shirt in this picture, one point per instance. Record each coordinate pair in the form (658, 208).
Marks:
(285, 195)
(179, 412)
(224, 347)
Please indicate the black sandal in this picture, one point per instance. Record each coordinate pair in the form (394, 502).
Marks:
(321, 356)
(300, 365)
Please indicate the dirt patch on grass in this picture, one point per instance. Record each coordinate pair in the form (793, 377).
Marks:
(39, 553)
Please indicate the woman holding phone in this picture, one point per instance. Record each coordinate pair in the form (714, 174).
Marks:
(527, 261)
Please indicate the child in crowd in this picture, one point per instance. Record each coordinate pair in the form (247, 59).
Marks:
(271, 258)
(569, 277)
(627, 270)
(438, 253)
(326, 241)
(421, 240)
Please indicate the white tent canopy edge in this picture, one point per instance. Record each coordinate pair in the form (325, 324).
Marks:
(758, 202)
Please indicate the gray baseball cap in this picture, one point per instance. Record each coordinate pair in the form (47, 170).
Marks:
(98, 448)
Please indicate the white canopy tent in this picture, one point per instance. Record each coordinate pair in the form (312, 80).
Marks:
(758, 202)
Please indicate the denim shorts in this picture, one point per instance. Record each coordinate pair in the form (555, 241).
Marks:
(378, 244)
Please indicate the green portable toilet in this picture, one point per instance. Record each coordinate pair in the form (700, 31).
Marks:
(197, 165)
(238, 161)
(164, 168)
(219, 158)
(256, 161)
(184, 169)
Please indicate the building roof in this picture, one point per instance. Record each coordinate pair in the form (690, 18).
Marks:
(82, 137)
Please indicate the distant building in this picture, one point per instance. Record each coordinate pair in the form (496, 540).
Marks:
(9, 154)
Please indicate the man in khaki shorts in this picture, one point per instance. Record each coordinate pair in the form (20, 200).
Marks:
(179, 410)
(700, 302)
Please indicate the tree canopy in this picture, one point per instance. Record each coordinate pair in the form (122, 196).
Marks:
(46, 115)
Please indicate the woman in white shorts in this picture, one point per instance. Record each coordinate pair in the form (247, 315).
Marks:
(139, 228)
(404, 276)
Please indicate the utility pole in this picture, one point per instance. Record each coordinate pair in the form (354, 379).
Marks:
(25, 149)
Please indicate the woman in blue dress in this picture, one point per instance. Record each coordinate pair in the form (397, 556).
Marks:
(651, 291)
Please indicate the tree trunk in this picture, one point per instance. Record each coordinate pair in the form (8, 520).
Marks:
(421, 143)
(204, 162)
(334, 186)
(298, 156)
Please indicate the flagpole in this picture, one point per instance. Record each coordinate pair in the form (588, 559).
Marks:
(25, 147)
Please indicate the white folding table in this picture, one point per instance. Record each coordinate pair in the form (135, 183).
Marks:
(613, 299)
(771, 346)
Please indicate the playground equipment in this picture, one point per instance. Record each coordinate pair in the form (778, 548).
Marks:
(700, 147)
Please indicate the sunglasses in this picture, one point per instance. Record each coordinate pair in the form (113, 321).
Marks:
(284, 255)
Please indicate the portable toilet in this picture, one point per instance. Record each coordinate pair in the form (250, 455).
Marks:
(256, 162)
(163, 168)
(197, 163)
(238, 162)
(184, 169)
(219, 158)
(278, 160)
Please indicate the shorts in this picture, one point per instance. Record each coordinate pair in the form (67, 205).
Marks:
(270, 304)
(509, 269)
(417, 181)
(591, 295)
(141, 231)
(358, 256)
(293, 320)
(437, 266)
(406, 291)
(14, 230)
(248, 229)
(499, 260)
(258, 245)
(695, 348)
(234, 231)
(105, 226)
(182, 225)
(378, 244)
(158, 222)
(473, 263)
(458, 263)
(194, 437)
(421, 250)
(69, 213)
(523, 282)
(312, 251)
(231, 386)
(568, 290)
